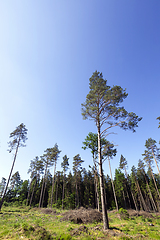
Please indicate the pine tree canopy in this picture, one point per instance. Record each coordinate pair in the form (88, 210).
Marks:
(19, 136)
(103, 105)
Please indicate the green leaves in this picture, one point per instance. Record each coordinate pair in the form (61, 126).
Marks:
(65, 163)
(91, 142)
(109, 150)
(19, 136)
(123, 162)
(77, 161)
(103, 105)
(51, 155)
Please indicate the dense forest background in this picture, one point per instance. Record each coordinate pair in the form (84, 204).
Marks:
(72, 188)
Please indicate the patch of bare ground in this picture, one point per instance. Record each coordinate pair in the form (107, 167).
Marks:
(82, 215)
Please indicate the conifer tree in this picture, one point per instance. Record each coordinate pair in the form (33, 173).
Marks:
(152, 148)
(141, 167)
(148, 158)
(108, 152)
(103, 106)
(65, 166)
(19, 136)
(91, 142)
(119, 188)
(2, 186)
(15, 180)
(48, 159)
(123, 165)
(142, 202)
(54, 156)
(36, 168)
(77, 161)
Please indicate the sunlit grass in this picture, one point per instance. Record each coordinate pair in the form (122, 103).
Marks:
(25, 223)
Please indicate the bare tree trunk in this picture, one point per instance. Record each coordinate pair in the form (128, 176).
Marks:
(96, 184)
(132, 192)
(97, 193)
(57, 190)
(127, 194)
(32, 192)
(155, 161)
(104, 207)
(124, 199)
(53, 183)
(141, 196)
(10, 172)
(29, 192)
(113, 185)
(45, 185)
(152, 200)
(63, 190)
(141, 206)
(40, 200)
(79, 197)
(76, 192)
(148, 202)
(154, 182)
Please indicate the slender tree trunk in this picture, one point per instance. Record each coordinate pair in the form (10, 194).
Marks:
(113, 184)
(79, 198)
(152, 200)
(33, 192)
(154, 182)
(148, 202)
(125, 206)
(131, 192)
(141, 206)
(29, 192)
(97, 193)
(53, 182)
(45, 185)
(76, 195)
(40, 200)
(155, 161)
(104, 206)
(63, 190)
(141, 196)
(10, 172)
(96, 183)
(57, 189)
(127, 193)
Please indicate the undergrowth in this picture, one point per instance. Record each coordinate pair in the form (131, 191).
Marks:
(25, 223)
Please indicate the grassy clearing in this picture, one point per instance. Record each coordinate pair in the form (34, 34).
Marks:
(25, 223)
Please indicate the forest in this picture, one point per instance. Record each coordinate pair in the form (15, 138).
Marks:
(88, 188)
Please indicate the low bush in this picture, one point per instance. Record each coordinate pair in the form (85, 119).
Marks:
(123, 214)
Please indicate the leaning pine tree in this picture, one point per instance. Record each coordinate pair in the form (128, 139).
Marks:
(19, 137)
(103, 106)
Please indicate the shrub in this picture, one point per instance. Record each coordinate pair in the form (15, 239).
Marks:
(123, 214)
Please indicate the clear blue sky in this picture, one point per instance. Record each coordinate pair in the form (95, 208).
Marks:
(48, 52)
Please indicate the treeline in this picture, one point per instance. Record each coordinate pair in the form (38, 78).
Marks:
(139, 190)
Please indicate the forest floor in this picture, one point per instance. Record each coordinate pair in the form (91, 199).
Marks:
(86, 224)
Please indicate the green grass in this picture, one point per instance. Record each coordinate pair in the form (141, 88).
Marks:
(25, 223)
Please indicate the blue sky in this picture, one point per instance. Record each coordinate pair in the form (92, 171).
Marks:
(49, 50)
